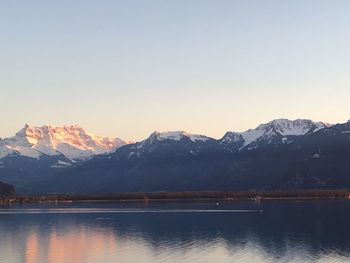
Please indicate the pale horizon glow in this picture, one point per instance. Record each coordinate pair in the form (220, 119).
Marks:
(127, 68)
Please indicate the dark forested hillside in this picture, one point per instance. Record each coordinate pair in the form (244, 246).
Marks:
(6, 189)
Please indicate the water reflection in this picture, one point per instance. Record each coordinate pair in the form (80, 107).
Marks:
(32, 248)
(284, 232)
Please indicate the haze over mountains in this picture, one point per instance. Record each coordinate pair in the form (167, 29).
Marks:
(281, 154)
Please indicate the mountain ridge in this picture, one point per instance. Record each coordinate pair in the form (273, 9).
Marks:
(276, 131)
(186, 165)
(280, 154)
(71, 141)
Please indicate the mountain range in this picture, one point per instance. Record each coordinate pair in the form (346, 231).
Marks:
(278, 155)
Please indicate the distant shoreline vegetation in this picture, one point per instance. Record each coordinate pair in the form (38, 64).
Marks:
(182, 196)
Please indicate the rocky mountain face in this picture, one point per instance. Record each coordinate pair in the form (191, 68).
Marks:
(71, 141)
(36, 153)
(272, 134)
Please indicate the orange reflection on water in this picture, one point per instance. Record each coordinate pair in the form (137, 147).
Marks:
(32, 248)
(71, 247)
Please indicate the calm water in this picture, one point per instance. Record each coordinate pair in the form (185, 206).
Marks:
(273, 231)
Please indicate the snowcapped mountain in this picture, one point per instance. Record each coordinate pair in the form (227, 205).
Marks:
(169, 141)
(178, 135)
(278, 155)
(174, 136)
(71, 141)
(271, 133)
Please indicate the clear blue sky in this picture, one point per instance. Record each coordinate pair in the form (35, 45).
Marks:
(126, 68)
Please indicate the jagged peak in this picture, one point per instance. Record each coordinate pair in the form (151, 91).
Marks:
(276, 127)
(291, 127)
(27, 125)
(71, 141)
(283, 121)
(231, 137)
(30, 129)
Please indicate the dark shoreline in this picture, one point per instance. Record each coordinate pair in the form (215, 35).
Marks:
(180, 196)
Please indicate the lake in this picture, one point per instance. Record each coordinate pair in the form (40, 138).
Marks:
(231, 231)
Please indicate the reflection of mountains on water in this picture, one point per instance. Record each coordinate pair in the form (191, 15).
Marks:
(285, 230)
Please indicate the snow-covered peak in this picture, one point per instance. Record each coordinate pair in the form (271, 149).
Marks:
(280, 128)
(178, 135)
(156, 137)
(287, 127)
(168, 139)
(71, 141)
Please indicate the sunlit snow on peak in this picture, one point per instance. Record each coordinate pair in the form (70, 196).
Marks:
(178, 135)
(71, 141)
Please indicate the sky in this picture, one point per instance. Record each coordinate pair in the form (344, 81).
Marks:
(127, 68)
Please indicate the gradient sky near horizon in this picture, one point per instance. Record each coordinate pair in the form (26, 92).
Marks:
(127, 68)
